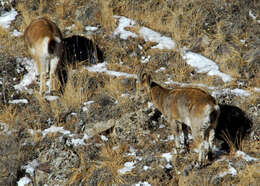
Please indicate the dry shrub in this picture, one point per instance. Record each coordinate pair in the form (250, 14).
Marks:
(111, 160)
(9, 115)
(76, 91)
(250, 175)
(107, 19)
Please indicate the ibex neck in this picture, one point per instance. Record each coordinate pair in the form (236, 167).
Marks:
(158, 95)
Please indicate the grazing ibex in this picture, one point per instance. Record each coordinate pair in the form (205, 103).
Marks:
(190, 106)
(44, 40)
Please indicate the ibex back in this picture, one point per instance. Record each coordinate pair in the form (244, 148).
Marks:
(190, 106)
(44, 41)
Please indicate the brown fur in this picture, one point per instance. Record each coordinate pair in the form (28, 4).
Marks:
(36, 34)
(185, 105)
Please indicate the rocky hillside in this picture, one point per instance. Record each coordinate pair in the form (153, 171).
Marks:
(103, 128)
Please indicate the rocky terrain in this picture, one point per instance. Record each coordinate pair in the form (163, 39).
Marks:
(103, 129)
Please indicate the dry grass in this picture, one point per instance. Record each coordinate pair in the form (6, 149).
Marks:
(9, 115)
(250, 175)
(111, 160)
(107, 20)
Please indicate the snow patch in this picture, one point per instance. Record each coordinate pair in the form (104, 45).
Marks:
(253, 16)
(163, 41)
(245, 156)
(167, 156)
(104, 138)
(236, 92)
(142, 184)
(204, 65)
(231, 171)
(146, 168)
(128, 166)
(18, 101)
(29, 77)
(257, 89)
(7, 17)
(54, 129)
(91, 28)
(16, 33)
(51, 98)
(124, 22)
(24, 181)
(30, 168)
(101, 68)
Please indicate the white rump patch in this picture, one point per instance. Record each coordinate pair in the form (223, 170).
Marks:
(44, 47)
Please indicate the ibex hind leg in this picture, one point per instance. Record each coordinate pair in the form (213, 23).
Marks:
(53, 67)
(205, 145)
(179, 136)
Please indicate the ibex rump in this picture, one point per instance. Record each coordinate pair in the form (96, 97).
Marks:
(44, 40)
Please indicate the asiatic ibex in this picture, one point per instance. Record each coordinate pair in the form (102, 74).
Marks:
(44, 40)
(185, 105)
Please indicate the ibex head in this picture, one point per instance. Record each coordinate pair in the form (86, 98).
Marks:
(144, 78)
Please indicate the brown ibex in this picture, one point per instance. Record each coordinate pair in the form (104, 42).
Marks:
(44, 40)
(185, 105)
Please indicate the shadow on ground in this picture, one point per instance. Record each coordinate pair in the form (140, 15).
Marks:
(232, 127)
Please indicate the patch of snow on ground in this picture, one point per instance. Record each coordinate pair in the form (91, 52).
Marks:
(163, 41)
(16, 33)
(104, 138)
(30, 168)
(231, 170)
(171, 138)
(29, 77)
(253, 16)
(145, 59)
(167, 156)
(160, 69)
(18, 101)
(146, 168)
(54, 129)
(204, 65)
(124, 22)
(245, 156)
(91, 28)
(199, 62)
(236, 92)
(101, 67)
(24, 181)
(257, 89)
(79, 141)
(51, 98)
(86, 104)
(7, 17)
(142, 184)
(4, 128)
(128, 166)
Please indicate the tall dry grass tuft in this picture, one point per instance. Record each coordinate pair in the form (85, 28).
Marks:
(107, 19)
(75, 94)
(76, 91)
(110, 160)
(9, 115)
(250, 175)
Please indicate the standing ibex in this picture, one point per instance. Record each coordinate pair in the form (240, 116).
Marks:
(190, 106)
(44, 40)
